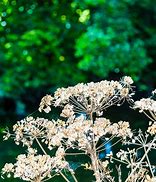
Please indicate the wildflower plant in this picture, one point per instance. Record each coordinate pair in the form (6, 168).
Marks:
(82, 129)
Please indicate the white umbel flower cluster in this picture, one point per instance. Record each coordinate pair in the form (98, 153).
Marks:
(45, 104)
(83, 130)
(35, 167)
(146, 105)
(152, 128)
(90, 97)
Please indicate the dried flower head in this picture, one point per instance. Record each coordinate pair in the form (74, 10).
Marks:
(67, 111)
(83, 130)
(152, 129)
(88, 98)
(150, 179)
(127, 80)
(154, 92)
(34, 167)
(45, 104)
(8, 168)
(146, 105)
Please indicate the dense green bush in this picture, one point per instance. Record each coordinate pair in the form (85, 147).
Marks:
(44, 43)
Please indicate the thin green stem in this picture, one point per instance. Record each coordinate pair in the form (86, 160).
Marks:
(149, 164)
(120, 161)
(107, 141)
(50, 177)
(74, 177)
(74, 153)
(40, 146)
(140, 160)
(64, 176)
(111, 146)
(148, 116)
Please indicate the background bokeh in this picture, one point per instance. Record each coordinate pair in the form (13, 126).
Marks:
(46, 44)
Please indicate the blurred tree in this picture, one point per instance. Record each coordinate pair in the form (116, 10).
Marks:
(118, 38)
(59, 42)
(37, 45)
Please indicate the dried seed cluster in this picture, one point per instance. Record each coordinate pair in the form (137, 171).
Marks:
(82, 129)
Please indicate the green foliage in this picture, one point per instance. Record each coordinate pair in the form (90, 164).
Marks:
(112, 42)
(49, 43)
(37, 46)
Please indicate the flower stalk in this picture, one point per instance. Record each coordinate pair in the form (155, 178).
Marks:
(82, 129)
